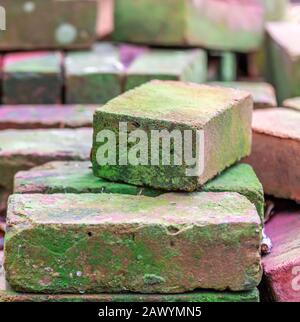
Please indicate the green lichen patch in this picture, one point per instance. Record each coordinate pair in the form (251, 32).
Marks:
(24, 149)
(71, 177)
(185, 65)
(242, 179)
(222, 114)
(111, 243)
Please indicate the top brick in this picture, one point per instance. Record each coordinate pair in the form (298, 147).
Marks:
(218, 115)
(191, 22)
(48, 24)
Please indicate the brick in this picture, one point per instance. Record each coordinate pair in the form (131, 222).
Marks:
(283, 52)
(92, 77)
(75, 243)
(293, 103)
(32, 78)
(51, 24)
(275, 9)
(46, 116)
(71, 177)
(281, 281)
(24, 149)
(181, 65)
(105, 23)
(77, 177)
(242, 179)
(197, 23)
(163, 105)
(263, 93)
(275, 153)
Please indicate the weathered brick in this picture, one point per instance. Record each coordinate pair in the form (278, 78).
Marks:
(281, 281)
(92, 77)
(71, 177)
(50, 24)
(223, 114)
(275, 153)
(32, 78)
(24, 149)
(275, 9)
(46, 116)
(182, 65)
(71, 243)
(204, 23)
(293, 103)
(283, 52)
(105, 13)
(263, 93)
(77, 177)
(242, 179)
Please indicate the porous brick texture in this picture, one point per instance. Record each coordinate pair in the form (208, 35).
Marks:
(222, 114)
(174, 243)
(275, 153)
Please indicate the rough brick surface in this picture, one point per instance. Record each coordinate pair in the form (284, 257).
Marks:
(50, 24)
(110, 243)
(275, 153)
(45, 116)
(293, 103)
(24, 149)
(32, 78)
(93, 77)
(242, 179)
(263, 93)
(284, 58)
(77, 177)
(281, 280)
(223, 114)
(183, 65)
(204, 23)
(71, 177)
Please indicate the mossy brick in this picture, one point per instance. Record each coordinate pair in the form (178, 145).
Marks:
(283, 52)
(263, 93)
(51, 24)
(293, 103)
(94, 243)
(182, 65)
(275, 152)
(32, 78)
(275, 10)
(204, 23)
(92, 77)
(242, 179)
(77, 177)
(71, 177)
(223, 114)
(24, 149)
(281, 277)
(46, 116)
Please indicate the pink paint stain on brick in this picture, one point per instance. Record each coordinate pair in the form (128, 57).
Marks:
(282, 266)
(244, 14)
(46, 116)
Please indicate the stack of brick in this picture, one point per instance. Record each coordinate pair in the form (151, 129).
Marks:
(93, 239)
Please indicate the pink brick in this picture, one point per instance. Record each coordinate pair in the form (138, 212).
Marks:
(46, 116)
(275, 153)
(282, 266)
